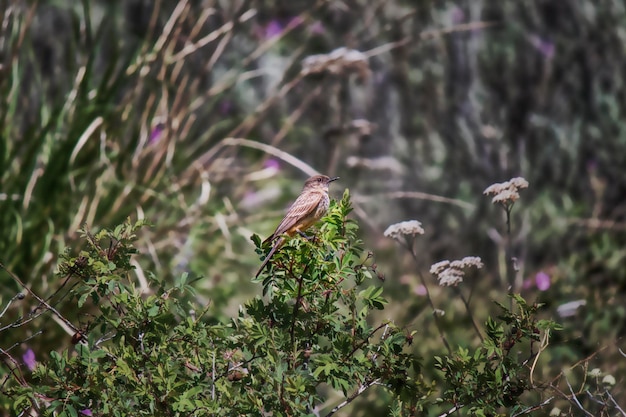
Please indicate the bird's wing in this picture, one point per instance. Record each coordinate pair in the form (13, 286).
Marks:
(304, 205)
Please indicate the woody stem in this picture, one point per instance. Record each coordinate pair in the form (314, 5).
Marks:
(295, 312)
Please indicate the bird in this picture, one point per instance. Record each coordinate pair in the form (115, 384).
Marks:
(310, 206)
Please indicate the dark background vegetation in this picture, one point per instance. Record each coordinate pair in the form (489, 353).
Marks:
(113, 109)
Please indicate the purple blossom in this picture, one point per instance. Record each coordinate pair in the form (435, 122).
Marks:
(86, 412)
(545, 47)
(277, 26)
(272, 164)
(157, 132)
(542, 280)
(273, 28)
(29, 359)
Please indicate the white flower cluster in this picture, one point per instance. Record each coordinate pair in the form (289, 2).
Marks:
(506, 192)
(451, 273)
(408, 228)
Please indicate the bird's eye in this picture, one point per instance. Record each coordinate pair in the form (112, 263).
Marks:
(319, 180)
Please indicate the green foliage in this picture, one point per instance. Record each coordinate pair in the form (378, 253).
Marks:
(184, 114)
(150, 354)
(312, 339)
(87, 133)
(495, 375)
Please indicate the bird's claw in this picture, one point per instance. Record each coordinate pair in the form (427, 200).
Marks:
(307, 237)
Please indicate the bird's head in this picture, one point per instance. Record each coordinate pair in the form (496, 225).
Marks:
(319, 182)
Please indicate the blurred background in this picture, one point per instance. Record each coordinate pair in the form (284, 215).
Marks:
(205, 117)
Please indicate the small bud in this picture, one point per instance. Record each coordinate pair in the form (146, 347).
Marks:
(608, 380)
(76, 338)
(21, 296)
(235, 376)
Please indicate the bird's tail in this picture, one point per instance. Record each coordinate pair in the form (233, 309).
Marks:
(277, 244)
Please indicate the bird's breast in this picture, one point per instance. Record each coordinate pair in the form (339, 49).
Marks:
(322, 207)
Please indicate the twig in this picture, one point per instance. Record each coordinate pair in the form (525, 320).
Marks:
(16, 296)
(285, 156)
(615, 404)
(428, 34)
(296, 306)
(360, 345)
(575, 399)
(15, 370)
(469, 312)
(544, 344)
(430, 301)
(362, 388)
(414, 195)
(213, 378)
(533, 408)
(508, 255)
(41, 300)
(452, 410)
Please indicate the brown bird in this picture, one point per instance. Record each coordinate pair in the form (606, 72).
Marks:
(310, 206)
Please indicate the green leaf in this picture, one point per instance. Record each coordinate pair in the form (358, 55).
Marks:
(372, 296)
(71, 410)
(256, 240)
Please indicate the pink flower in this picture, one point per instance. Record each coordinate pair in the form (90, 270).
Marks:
(542, 280)
(420, 290)
(86, 412)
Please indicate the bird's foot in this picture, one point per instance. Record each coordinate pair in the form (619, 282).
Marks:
(307, 237)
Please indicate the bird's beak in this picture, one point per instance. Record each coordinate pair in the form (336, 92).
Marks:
(333, 179)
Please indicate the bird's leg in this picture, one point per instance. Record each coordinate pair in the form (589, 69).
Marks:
(304, 235)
